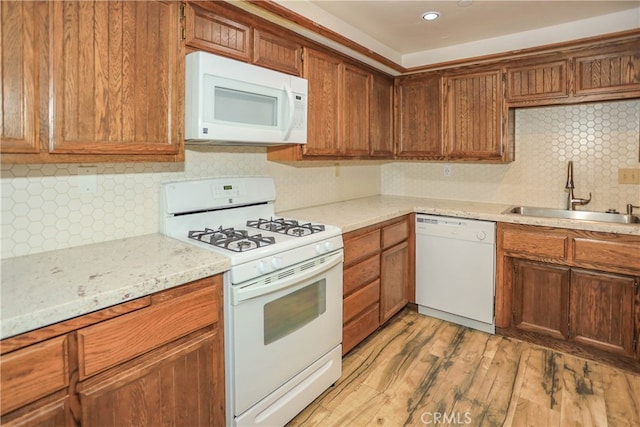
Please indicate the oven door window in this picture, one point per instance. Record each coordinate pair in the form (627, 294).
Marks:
(293, 311)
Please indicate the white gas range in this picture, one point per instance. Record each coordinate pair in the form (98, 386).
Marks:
(283, 294)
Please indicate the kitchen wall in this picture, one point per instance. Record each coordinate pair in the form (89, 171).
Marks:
(599, 138)
(42, 208)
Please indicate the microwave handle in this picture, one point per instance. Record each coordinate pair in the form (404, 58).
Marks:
(292, 112)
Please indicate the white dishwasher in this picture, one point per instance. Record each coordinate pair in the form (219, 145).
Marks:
(455, 270)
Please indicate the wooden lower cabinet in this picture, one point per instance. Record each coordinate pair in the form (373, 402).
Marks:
(541, 298)
(394, 275)
(174, 385)
(602, 310)
(159, 361)
(376, 279)
(574, 290)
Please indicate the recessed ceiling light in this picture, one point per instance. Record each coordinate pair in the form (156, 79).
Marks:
(430, 16)
(464, 3)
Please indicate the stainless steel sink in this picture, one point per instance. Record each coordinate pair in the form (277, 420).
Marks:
(579, 215)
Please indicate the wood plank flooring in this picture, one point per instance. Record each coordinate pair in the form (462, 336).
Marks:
(420, 371)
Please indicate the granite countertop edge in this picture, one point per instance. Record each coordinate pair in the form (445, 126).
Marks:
(354, 214)
(43, 289)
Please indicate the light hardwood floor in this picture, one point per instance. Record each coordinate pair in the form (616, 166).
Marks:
(420, 371)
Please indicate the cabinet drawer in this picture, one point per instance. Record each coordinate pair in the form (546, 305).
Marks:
(361, 273)
(361, 247)
(359, 328)
(395, 233)
(114, 341)
(360, 300)
(33, 372)
(536, 243)
(615, 254)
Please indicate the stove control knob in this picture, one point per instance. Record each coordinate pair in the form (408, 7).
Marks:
(263, 267)
(328, 246)
(319, 248)
(276, 263)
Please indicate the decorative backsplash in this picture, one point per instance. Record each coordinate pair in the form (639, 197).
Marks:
(42, 208)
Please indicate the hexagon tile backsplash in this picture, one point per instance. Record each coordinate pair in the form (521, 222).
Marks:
(44, 208)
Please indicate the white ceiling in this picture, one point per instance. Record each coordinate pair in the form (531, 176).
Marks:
(395, 29)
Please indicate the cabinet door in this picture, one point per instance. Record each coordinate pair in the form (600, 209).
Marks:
(276, 52)
(19, 76)
(324, 73)
(419, 131)
(541, 298)
(394, 278)
(355, 111)
(616, 70)
(474, 116)
(52, 411)
(540, 80)
(381, 127)
(207, 30)
(174, 385)
(118, 77)
(602, 310)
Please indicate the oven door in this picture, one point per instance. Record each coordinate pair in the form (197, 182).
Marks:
(281, 324)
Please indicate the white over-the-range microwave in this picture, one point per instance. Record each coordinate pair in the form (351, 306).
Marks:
(232, 102)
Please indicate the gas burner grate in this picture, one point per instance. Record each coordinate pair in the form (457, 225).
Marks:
(231, 239)
(290, 227)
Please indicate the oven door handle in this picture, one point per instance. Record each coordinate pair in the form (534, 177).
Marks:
(240, 294)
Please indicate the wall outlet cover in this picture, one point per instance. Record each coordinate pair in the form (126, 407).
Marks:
(629, 176)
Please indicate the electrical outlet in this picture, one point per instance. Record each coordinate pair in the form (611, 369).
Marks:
(87, 179)
(628, 176)
(447, 170)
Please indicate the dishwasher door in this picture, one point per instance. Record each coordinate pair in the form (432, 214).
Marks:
(455, 270)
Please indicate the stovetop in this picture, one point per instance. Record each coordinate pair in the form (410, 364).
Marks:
(235, 217)
(243, 240)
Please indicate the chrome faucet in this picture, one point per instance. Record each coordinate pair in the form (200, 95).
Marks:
(630, 208)
(571, 200)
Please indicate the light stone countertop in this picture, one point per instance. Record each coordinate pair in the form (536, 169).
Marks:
(354, 214)
(46, 288)
(42, 289)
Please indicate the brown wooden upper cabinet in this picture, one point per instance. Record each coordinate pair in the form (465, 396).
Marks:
(116, 81)
(419, 117)
(277, 52)
(214, 28)
(474, 117)
(538, 80)
(594, 74)
(342, 110)
(355, 103)
(610, 70)
(208, 30)
(19, 25)
(451, 116)
(324, 73)
(118, 78)
(381, 112)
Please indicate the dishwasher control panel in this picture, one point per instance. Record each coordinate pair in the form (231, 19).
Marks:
(456, 228)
